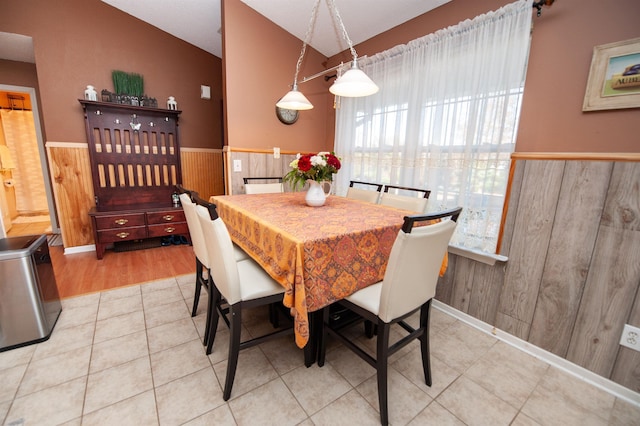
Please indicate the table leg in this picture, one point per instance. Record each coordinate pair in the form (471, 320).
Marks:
(311, 348)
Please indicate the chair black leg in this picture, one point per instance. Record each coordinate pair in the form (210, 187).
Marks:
(211, 313)
(196, 296)
(382, 367)
(273, 315)
(235, 311)
(424, 341)
(212, 316)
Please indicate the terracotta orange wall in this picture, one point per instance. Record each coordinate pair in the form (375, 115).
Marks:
(562, 46)
(79, 42)
(259, 60)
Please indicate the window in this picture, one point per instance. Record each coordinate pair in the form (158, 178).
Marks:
(445, 119)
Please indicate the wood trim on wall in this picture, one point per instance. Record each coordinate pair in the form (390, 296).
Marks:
(579, 156)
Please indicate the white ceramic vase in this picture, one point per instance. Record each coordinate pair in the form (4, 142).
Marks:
(316, 195)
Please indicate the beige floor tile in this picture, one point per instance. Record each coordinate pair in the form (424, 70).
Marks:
(118, 351)
(74, 316)
(17, 356)
(178, 361)
(118, 383)
(4, 409)
(269, 404)
(440, 321)
(442, 375)
(120, 293)
(459, 345)
(315, 387)
(10, 379)
(473, 405)
(125, 305)
(350, 409)
(64, 340)
(405, 400)
(220, 350)
(119, 326)
(77, 301)
(624, 413)
(254, 369)
(166, 313)
(353, 368)
(524, 420)
(55, 370)
(508, 373)
(51, 406)
(436, 415)
(187, 285)
(560, 397)
(283, 353)
(221, 416)
(135, 411)
(188, 397)
(158, 285)
(171, 334)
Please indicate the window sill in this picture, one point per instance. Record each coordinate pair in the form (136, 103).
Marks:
(478, 256)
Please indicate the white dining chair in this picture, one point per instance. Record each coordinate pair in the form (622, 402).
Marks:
(397, 198)
(409, 285)
(242, 284)
(187, 198)
(263, 187)
(370, 195)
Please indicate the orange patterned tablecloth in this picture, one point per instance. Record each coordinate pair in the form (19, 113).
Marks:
(318, 254)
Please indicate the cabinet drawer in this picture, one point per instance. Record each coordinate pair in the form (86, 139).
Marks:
(124, 234)
(119, 221)
(168, 229)
(165, 217)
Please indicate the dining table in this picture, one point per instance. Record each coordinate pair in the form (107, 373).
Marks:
(318, 254)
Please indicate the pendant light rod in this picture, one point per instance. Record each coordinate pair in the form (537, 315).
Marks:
(307, 38)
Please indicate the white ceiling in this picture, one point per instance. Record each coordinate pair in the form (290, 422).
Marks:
(198, 22)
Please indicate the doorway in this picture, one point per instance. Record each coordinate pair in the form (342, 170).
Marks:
(26, 201)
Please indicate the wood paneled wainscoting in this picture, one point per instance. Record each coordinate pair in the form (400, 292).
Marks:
(202, 170)
(572, 237)
(255, 163)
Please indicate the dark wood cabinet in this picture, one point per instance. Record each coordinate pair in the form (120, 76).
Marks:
(135, 165)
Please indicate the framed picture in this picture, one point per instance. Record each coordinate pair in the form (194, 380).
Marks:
(614, 77)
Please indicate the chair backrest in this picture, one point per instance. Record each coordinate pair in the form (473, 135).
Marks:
(406, 202)
(264, 187)
(193, 223)
(369, 195)
(223, 266)
(414, 263)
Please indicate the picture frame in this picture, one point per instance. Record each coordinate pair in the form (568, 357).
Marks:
(614, 77)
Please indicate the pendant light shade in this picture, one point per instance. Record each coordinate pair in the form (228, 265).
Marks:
(294, 100)
(353, 83)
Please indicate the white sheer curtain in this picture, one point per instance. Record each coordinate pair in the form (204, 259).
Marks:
(445, 119)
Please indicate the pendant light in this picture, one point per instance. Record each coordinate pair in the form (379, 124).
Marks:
(353, 83)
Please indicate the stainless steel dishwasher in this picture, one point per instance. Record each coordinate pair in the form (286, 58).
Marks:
(29, 300)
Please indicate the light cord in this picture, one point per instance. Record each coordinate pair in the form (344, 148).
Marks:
(307, 37)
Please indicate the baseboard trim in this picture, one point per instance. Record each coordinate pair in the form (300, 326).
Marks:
(554, 360)
(79, 249)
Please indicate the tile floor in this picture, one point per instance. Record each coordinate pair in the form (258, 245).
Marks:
(134, 356)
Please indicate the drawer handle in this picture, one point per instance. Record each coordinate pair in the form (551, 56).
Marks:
(169, 229)
(168, 217)
(121, 221)
(122, 235)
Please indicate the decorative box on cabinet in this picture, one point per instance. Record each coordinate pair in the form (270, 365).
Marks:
(135, 166)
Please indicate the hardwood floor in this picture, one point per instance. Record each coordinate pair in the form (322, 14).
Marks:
(83, 273)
